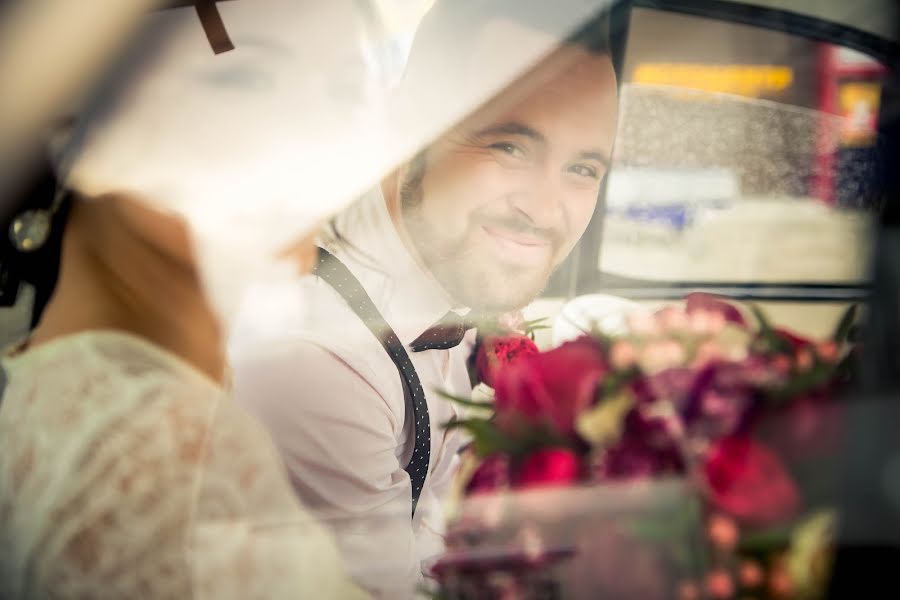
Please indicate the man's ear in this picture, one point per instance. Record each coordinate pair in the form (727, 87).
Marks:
(409, 173)
(390, 186)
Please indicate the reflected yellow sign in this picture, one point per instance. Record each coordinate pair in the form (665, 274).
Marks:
(752, 81)
(858, 103)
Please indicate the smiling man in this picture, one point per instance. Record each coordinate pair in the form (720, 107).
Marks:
(344, 367)
(494, 205)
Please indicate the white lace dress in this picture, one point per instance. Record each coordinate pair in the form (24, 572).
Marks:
(125, 473)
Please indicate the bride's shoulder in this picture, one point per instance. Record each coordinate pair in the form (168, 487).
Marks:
(105, 402)
(81, 384)
(120, 447)
(108, 397)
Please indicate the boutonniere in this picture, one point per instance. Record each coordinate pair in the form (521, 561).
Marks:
(500, 342)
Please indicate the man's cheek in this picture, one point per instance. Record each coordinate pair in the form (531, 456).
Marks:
(488, 186)
(580, 215)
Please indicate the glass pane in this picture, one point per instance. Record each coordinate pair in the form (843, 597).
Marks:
(743, 154)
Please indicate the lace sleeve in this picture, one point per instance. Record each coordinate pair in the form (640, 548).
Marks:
(250, 538)
(122, 476)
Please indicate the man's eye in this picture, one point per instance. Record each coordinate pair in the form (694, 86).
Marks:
(510, 149)
(584, 171)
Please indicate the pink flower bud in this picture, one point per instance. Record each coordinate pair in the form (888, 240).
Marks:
(698, 321)
(707, 352)
(700, 301)
(804, 359)
(750, 574)
(717, 323)
(706, 322)
(660, 355)
(780, 583)
(641, 322)
(723, 532)
(827, 351)
(688, 590)
(623, 355)
(782, 364)
(671, 318)
(719, 584)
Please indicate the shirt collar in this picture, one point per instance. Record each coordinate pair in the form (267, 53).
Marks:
(409, 297)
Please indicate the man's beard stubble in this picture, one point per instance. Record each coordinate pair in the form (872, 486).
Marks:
(465, 275)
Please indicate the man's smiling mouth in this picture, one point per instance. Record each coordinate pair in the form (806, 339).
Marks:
(517, 246)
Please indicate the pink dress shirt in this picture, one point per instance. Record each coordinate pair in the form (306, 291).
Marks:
(329, 394)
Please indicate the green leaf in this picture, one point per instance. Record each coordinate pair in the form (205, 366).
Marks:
(842, 331)
(465, 401)
(845, 371)
(766, 540)
(802, 383)
(487, 439)
(533, 322)
(761, 319)
(615, 381)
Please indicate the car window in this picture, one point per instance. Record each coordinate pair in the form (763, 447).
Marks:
(743, 155)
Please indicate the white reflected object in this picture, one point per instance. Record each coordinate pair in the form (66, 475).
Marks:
(602, 311)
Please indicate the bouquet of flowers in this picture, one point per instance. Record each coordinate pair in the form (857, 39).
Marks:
(731, 406)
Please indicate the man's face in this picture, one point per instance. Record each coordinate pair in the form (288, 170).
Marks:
(496, 204)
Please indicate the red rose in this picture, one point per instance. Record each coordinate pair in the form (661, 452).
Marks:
(551, 388)
(698, 301)
(496, 353)
(748, 481)
(549, 467)
(491, 475)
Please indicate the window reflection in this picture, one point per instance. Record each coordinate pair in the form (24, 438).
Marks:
(743, 155)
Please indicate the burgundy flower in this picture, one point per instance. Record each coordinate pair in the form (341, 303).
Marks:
(491, 475)
(724, 397)
(652, 426)
(496, 353)
(674, 385)
(634, 458)
(709, 403)
(551, 388)
(549, 467)
(699, 301)
(749, 482)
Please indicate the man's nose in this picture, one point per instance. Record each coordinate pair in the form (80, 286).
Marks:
(540, 200)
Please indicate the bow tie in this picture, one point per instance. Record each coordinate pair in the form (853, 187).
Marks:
(443, 335)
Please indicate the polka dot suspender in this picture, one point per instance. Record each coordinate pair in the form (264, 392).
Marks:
(339, 277)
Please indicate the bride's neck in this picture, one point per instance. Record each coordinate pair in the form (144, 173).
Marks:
(128, 268)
